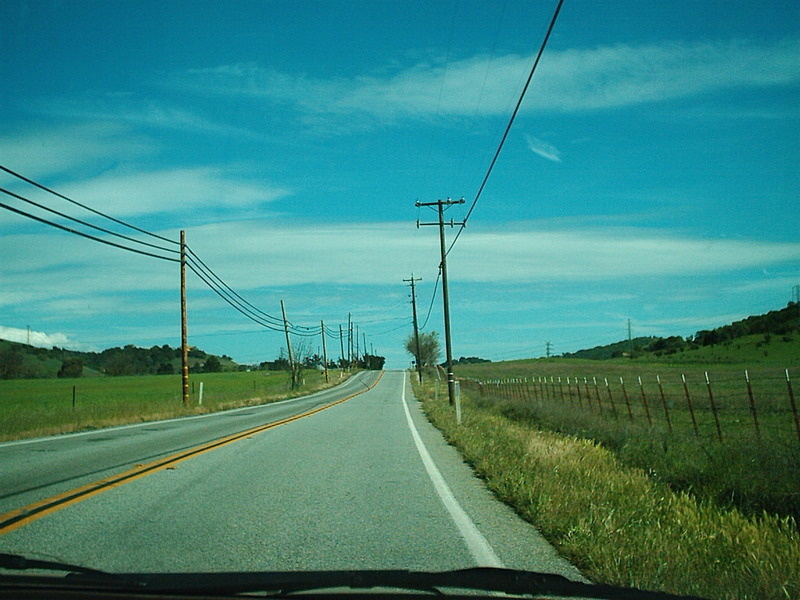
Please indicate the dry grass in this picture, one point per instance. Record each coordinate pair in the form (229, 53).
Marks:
(617, 524)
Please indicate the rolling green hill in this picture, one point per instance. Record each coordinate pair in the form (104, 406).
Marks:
(21, 361)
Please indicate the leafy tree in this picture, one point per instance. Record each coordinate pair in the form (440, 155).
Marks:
(429, 348)
(212, 365)
(71, 367)
(10, 364)
(373, 362)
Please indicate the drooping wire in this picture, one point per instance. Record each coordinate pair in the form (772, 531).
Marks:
(198, 262)
(87, 224)
(86, 235)
(83, 206)
(510, 123)
(433, 297)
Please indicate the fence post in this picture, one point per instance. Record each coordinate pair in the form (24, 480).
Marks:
(644, 402)
(752, 403)
(597, 395)
(627, 401)
(560, 389)
(588, 393)
(794, 406)
(611, 399)
(569, 390)
(664, 402)
(578, 389)
(73, 397)
(689, 403)
(713, 407)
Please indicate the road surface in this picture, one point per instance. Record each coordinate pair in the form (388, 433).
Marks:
(366, 483)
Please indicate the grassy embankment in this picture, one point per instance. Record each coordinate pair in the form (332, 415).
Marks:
(613, 521)
(36, 407)
(651, 427)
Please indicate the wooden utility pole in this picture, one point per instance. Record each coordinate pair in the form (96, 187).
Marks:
(416, 329)
(341, 347)
(184, 329)
(289, 346)
(440, 204)
(324, 350)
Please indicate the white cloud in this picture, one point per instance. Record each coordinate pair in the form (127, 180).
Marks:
(35, 338)
(566, 81)
(543, 149)
(175, 190)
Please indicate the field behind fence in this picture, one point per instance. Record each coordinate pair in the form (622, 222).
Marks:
(728, 433)
(726, 405)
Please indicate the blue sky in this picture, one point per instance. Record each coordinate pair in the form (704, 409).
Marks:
(651, 175)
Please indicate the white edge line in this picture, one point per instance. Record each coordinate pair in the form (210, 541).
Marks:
(63, 436)
(477, 544)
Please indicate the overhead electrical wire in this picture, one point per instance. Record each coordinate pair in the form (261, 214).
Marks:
(510, 123)
(192, 260)
(86, 235)
(83, 206)
(87, 224)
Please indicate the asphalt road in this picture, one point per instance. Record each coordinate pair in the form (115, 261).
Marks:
(365, 484)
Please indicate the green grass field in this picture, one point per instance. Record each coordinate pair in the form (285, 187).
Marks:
(716, 445)
(618, 523)
(35, 407)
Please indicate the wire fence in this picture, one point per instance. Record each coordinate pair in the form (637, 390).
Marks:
(723, 406)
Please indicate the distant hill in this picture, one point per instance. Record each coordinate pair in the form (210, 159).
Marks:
(24, 361)
(612, 350)
(781, 323)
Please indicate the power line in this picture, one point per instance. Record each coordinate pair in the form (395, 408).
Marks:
(510, 123)
(86, 235)
(433, 298)
(85, 223)
(90, 209)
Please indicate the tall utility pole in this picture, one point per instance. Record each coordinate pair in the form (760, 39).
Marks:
(349, 340)
(630, 340)
(548, 346)
(289, 346)
(184, 329)
(416, 329)
(440, 204)
(341, 347)
(324, 350)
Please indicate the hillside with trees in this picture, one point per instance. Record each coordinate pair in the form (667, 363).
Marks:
(21, 361)
(782, 323)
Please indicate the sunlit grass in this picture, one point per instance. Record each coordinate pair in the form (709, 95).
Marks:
(35, 407)
(613, 521)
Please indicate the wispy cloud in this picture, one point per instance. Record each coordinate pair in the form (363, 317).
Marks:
(571, 80)
(543, 149)
(47, 151)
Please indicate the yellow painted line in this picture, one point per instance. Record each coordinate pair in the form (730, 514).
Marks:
(27, 514)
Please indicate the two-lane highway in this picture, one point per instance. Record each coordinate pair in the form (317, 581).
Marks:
(367, 483)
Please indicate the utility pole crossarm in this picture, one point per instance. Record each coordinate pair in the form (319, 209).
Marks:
(440, 204)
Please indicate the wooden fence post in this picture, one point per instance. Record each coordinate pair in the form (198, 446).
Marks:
(689, 403)
(611, 399)
(664, 402)
(644, 402)
(713, 407)
(597, 395)
(752, 403)
(794, 406)
(627, 401)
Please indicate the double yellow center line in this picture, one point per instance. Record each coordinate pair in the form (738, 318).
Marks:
(22, 516)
